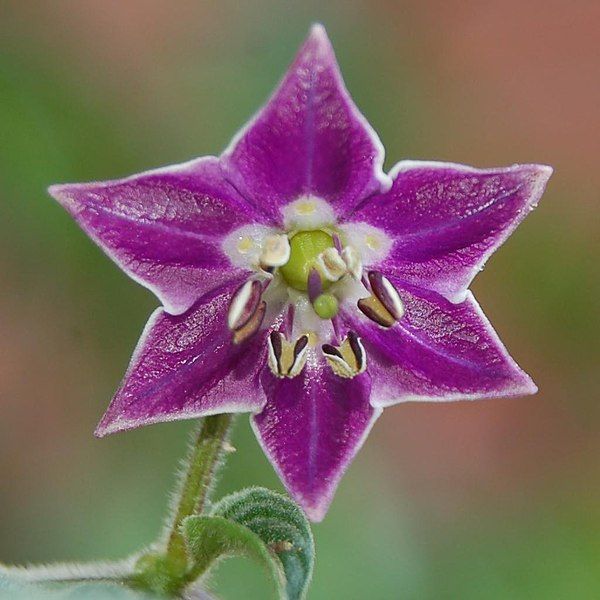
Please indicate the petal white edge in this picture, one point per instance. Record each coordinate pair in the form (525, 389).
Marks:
(60, 193)
(318, 33)
(526, 387)
(542, 174)
(317, 512)
(123, 424)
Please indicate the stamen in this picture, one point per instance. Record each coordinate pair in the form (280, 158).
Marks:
(347, 360)
(372, 308)
(331, 264)
(358, 350)
(275, 349)
(388, 295)
(286, 359)
(385, 305)
(244, 303)
(276, 251)
(300, 350)
(353, 262)
(252, 326)
(266, 271)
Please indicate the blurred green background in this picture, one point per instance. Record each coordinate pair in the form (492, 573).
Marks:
(490, 500)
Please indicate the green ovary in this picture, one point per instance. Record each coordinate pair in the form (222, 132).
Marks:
(326, 306)
(305, 247)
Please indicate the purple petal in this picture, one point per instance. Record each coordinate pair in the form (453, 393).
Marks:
(437, 351)
(311, 428)
(309, 139)
(164, 228)
(446, 219)
(187, 367)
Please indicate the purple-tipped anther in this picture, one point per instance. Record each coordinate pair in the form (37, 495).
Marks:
(286, 359)
(387, 294)
(349, 358)
(251, 326)
(244, 304)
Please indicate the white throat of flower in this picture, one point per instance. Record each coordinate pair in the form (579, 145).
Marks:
(309, 269)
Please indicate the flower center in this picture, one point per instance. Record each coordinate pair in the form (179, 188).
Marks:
(323, 261)
(305, 248)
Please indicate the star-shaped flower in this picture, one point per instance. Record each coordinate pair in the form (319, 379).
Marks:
(301, 283)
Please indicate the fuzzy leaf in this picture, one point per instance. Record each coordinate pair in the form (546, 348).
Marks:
(282, 526)
(15, 585)
(76, 582)
(210, 538)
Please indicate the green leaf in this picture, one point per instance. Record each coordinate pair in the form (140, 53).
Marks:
(282, 526)
(15, 585)
(210, 538)
(52, 583)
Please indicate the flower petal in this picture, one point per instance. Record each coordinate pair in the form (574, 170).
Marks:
(164, 228)
(447, 219)
(187, 367)
(310, 429)
(310, 139)
(437, 351)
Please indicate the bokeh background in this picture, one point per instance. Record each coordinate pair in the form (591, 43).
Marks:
(490, 500)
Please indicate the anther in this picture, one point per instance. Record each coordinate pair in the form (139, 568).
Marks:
(244, 304)
(358, 350)
(275, 251)
(252, 325)
(353, 262)
(384, 306)
(299, 356)
(331, 264)
(372, 308)
(286, 359)
(347, 360)
(388, 295)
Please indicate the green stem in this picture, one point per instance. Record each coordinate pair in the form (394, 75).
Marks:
(167, 570)
(201, 467)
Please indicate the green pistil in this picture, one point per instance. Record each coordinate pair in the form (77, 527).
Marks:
(326, 306)
(305, 247)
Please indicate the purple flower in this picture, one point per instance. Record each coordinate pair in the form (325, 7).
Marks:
(301, 283)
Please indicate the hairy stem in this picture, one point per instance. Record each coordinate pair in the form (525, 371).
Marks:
(167, 570)
(200, 469)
